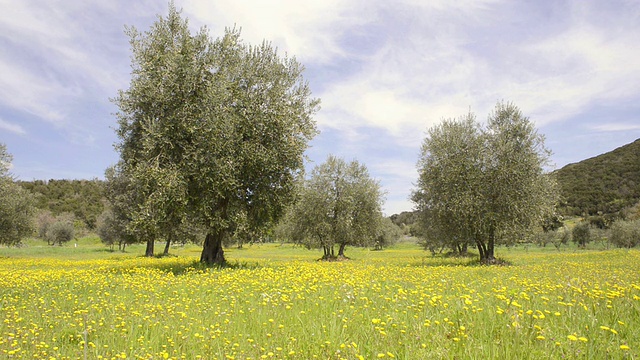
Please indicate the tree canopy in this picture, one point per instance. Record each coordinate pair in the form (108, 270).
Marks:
(340, 204)
(212, 131)
(482, 185)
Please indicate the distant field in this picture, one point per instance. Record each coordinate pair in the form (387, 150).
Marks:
(277, 302)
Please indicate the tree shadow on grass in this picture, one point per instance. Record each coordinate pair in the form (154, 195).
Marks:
(107, 250)
(197, 266)
(466, 260)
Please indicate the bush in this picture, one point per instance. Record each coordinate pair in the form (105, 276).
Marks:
(113, 230)
(44, 219)
(625, 233)
(60, 232)
(388, 234)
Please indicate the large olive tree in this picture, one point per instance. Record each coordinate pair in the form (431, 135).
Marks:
(484, 185)
(212, 131)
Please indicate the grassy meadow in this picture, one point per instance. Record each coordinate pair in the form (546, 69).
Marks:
(276, 302)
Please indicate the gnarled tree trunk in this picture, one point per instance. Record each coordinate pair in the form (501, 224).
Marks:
(489, 255)
(149, 251)
(341, 250)
(329, 253)
(166, 247)
(486, 251)
(212, 252)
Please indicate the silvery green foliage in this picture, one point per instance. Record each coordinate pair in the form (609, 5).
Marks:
(16, 204)
(625, 233)
(340, 204)
(581, 233)
(211, 131)
(483, 185)
(60, 232)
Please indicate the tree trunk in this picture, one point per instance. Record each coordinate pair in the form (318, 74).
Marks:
(149, 251)
(166, 247)
(481, 250)
(341, 250)
(489, 255)
(212, 252)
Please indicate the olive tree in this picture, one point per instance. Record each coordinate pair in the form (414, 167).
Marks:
(625, 233)
(112, 229)
(581, 234)
(60, 232)
(115, 224)
(211, 131)
(340, 204)
(16, 204)
(388, 234)
(484, 185)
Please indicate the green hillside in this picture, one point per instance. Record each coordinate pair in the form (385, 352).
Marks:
(603, 184)
(83, 198)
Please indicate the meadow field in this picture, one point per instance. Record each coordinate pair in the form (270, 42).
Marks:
(276, 302)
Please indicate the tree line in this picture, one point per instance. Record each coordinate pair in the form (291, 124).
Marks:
(82, 198)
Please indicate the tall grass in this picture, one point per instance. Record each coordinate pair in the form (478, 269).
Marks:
(277, 302)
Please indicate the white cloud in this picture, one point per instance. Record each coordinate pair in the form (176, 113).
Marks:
(579, 67)
(14, 128)
(434, 73)
(309, 30)
(59, 55)
(615, 127)
(23, 90)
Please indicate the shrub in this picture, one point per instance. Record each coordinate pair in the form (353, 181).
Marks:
(60, 232)
(625, 233)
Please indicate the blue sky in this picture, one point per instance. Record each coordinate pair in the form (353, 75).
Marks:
(385, 71)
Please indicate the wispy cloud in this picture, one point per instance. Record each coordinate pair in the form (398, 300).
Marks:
(307, 29)
(59, 55)
(14, 128)
(615, 127)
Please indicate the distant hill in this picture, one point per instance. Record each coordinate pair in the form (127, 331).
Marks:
(603, 184)
(83, 198)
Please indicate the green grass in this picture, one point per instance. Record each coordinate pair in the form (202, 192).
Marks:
(276, 301)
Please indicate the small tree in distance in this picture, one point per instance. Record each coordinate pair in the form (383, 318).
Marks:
(340, 204)
(44, 219)
(388, 234)
(625, 233)
(113, 230)
(60, 232)
(581, 234)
